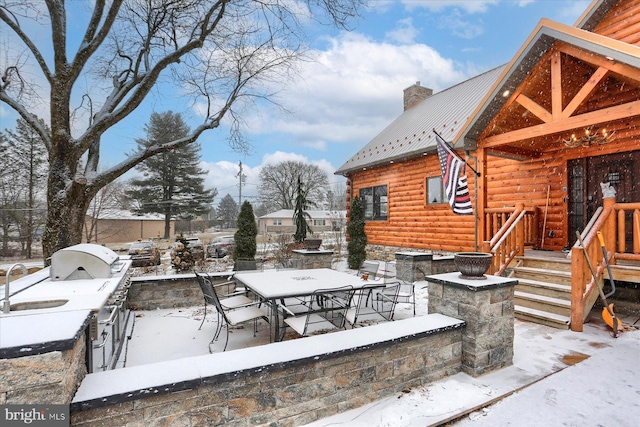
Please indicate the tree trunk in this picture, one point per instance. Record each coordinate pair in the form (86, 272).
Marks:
(65, 220)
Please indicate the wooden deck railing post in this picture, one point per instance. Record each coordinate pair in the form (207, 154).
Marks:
(636, 231)
(577, 288)
(486, 248)
(609, 226)
(520, 232)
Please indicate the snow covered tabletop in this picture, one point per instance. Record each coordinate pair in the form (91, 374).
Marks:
(275, 284)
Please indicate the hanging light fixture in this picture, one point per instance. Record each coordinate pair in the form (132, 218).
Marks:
(589, 138)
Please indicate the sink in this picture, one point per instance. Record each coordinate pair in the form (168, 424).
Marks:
(38, 305)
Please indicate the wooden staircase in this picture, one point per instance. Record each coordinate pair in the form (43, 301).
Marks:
(543, 293)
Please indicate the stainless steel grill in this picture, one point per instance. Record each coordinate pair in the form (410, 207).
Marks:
(81, 264)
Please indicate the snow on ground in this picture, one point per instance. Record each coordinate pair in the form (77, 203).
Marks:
(539, 351)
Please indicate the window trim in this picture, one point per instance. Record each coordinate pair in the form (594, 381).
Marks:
(376, 205)
(427, 193)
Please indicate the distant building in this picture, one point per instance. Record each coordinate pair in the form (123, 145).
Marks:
(120, 226)
(282, 221)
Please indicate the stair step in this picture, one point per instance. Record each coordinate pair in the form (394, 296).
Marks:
(557, 306)
(538, 287)
(542, 317)
(543, 274)
(559, 264)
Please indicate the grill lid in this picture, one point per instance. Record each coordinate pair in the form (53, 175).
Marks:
(83, 261)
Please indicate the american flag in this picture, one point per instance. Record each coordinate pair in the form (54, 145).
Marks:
(455, 186)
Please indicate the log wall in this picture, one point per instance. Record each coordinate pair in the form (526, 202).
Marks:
(622, 22)
(411, 223)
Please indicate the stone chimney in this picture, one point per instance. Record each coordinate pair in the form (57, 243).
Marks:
(414, 94)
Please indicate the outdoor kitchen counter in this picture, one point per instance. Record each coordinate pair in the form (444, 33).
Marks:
(40, 330)
(82, 294)
(41, 333)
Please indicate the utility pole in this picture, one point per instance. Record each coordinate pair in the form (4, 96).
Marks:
(241, 179)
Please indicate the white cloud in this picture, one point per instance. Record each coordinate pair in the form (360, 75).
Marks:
(353, 90)
(404, 32)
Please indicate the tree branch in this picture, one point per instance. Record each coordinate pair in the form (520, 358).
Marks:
(27, 41)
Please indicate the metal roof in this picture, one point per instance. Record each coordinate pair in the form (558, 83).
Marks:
(411, 135)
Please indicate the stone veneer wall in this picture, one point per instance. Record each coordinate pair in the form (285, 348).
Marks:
(487, 308)
(49, 378)
(312, 259)
(441, 263)
(289, 393)
(153, 292)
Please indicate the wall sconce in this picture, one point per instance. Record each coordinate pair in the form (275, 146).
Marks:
(590, 138)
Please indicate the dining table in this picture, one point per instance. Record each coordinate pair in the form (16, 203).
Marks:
(274, 286)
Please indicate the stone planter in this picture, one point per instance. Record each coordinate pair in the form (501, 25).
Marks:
(312, 244)
(472, 265)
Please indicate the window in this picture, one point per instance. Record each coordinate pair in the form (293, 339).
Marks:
(435, 190)
(319, 222)
(277, 222)
(375, 202)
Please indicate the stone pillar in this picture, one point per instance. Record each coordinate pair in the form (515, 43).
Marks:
(312, 259)
(413, 266)
(486, 305)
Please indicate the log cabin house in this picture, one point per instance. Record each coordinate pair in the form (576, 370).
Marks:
(543, 132)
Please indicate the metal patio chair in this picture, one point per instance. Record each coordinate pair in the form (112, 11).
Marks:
(232, 299)
(374, 304)
(369, 268)
(326, 311)
(230, 316)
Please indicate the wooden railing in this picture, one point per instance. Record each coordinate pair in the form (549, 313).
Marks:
(511, 229)
(612, 224)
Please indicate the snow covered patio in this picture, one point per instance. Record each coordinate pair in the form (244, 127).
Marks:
(539, 351)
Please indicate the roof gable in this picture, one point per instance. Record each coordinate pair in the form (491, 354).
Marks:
(546, 34)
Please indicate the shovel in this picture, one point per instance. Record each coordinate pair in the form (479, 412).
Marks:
(605, 313)
(608, 308)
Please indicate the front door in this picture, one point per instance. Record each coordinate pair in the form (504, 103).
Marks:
(585, 195)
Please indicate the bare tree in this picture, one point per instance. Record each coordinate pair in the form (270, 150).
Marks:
(277, 188)
(222, 52)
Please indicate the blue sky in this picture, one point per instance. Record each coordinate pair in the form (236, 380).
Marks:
(353, 88)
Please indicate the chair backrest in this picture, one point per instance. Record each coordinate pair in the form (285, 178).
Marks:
(333, 305)
(385, 301)
(369, 268)
(248, 265)
(372, 300)
(406, 288)
(388, 271)
(209, 293)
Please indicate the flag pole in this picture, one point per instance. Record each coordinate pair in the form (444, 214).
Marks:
(456, 154)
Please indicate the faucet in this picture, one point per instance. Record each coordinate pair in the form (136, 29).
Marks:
(7, 304)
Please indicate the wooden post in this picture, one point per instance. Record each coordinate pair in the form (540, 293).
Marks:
(577, 288)
(482, 194)
(609, 227)
(520, 230)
